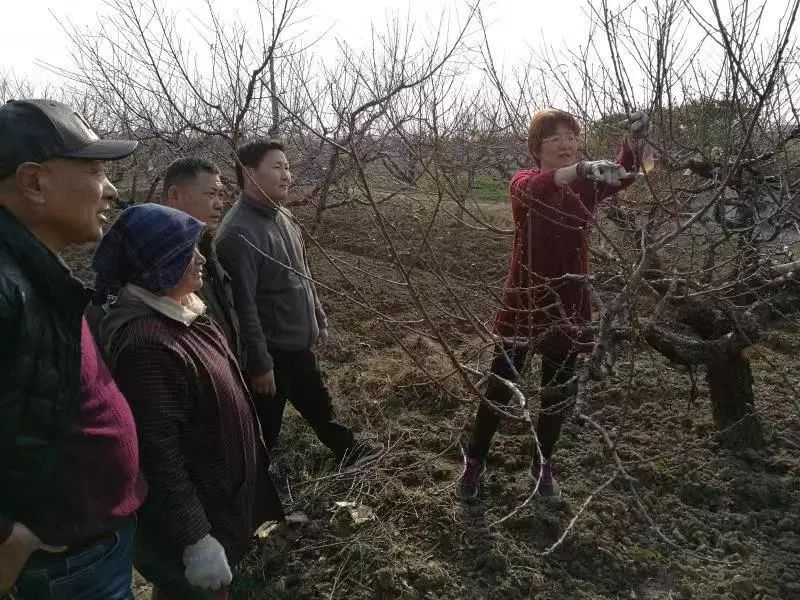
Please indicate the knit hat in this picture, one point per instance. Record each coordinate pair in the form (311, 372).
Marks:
(149, 245)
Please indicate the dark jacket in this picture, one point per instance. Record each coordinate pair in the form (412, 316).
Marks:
(276, 301)
(200, 448)
(41, 307)
(540, 308)
(217, 293)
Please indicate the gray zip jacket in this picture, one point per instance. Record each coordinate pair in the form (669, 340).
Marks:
(276, 301)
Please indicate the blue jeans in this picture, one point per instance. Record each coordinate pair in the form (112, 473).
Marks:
(102, 572)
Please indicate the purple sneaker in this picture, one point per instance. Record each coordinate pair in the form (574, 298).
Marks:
(548, 486)
(468, 483)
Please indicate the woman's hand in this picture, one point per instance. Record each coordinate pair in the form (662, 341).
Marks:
(639, 125)
(602, 171)
(206, 564)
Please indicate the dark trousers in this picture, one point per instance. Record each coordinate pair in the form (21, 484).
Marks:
(556, 371)
(299, 380)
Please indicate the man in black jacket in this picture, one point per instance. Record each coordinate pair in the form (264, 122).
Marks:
(69, 468)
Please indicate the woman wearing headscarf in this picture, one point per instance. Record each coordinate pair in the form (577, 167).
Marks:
(201, 449)
(546, 302)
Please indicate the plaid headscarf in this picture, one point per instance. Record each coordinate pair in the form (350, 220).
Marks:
(149, 245)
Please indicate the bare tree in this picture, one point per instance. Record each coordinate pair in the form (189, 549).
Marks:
(698, 260)
(179, 93)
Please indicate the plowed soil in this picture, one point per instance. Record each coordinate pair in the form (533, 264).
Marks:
(696, 521)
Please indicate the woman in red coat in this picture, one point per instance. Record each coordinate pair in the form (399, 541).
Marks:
(546, 303)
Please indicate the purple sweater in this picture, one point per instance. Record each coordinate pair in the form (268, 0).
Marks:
(99, 474)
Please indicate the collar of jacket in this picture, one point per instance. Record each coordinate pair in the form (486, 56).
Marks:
(185, 313)
(45, 269)
(267, 211)
(209, 252)
(135, 303)
(206, 246)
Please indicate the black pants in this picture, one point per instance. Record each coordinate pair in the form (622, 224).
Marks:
(556, 371)
(298, 379)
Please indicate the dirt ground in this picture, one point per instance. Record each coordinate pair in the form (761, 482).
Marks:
(716, 524)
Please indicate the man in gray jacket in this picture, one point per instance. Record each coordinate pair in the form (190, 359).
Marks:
(280, 316)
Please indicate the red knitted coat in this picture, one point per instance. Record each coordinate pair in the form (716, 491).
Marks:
(539, 306)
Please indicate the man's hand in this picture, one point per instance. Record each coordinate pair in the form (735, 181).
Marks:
(322, 338)
(16, 551)
(264, 384)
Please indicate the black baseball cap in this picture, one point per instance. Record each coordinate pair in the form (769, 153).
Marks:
(38, 130)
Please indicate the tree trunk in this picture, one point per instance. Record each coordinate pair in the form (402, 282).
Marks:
(151, 191)
(134, 188)
(325, 188)
(730, 383)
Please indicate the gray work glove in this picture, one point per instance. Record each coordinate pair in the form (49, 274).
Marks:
(206, 564)
(602, 171)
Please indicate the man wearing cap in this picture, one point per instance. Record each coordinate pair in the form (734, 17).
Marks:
(70, 483)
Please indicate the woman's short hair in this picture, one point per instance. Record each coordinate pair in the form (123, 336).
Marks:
(544, 124)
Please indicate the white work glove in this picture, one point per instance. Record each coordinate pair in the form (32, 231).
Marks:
(603, 171)
(206, 564)
(639, 125)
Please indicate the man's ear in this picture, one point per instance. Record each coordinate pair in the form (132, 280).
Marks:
(30, 180)
(172, 196)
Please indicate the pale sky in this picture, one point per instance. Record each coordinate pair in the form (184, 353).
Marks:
(28, 31)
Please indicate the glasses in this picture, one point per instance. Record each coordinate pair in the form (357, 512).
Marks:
(567, 138)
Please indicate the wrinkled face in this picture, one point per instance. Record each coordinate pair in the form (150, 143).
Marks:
(192, 279)
(201, 198)
(68, 199)
(559, 149)
(271, 178)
